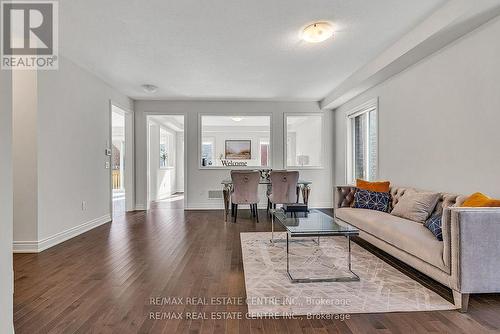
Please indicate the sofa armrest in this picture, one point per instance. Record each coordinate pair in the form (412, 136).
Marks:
(473, 235)
(344, 196)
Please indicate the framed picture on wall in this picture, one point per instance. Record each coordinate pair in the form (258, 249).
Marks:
(238, 149)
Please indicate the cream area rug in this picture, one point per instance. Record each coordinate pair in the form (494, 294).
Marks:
(381, 288)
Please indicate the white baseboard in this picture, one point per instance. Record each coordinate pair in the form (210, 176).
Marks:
(41, 245)
(321, 205)
(25, 247)
(140, 207)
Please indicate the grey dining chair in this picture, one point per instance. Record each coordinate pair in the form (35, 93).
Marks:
(283, 188)
(245, 191)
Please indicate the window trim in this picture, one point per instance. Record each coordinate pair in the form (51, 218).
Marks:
(366, 107)
(234, 114)
(285, 141)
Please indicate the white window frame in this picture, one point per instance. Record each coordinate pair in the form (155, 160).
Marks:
(285, 140)
(369, 106)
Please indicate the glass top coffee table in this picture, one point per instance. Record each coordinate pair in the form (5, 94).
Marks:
(314, 224)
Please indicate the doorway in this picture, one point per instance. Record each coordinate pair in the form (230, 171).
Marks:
(165, 170)
(121, 161)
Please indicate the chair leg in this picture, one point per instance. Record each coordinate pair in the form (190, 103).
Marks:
(256, 212)
(252, 209)
(235, 213)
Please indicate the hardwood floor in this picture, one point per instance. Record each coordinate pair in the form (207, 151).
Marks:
(108, 281)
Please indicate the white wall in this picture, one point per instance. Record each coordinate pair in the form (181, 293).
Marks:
(200, 181)
(129, 160)
(25, 155)
(438, 120)
(220, 136)
(6, 204)
(167, 177)
(154, 160)
(73, 130)
(179, 158)
(163, 181)
(306, 139)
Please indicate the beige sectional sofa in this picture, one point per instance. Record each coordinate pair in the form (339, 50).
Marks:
(468, 258)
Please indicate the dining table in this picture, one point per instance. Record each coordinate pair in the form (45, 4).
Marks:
(303, 187)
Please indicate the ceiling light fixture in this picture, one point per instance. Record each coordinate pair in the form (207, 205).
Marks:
(237, 119)
(149, 88)
(317, 32)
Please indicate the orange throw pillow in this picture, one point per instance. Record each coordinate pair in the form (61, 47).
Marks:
(380, 187)
(479, 200)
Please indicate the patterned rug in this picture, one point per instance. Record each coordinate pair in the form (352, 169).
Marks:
(381, 288)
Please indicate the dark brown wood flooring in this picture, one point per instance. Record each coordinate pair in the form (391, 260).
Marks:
(104, 280)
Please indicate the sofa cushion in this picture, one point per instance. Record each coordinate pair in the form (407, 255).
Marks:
(371, 200)
(396, 194)
(416, 206)
(409, 236)
(480, 200)
(378, 186)
(434, 225)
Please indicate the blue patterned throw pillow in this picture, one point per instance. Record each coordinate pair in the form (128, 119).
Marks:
(371, 200)
(434, 225)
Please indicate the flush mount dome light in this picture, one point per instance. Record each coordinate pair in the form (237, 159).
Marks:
(237, 119)
(149, 88)
(317, 32)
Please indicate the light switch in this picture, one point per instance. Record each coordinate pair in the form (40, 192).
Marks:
(106, 165)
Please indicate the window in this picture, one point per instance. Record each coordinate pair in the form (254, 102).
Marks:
(166, 148)
(234, 141)
(264, 152)
(304, 140)
(362, 143)
(207, 152)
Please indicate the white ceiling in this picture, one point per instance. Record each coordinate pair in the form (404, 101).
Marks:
(238, 121)
(174, 122)
(237, 49)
